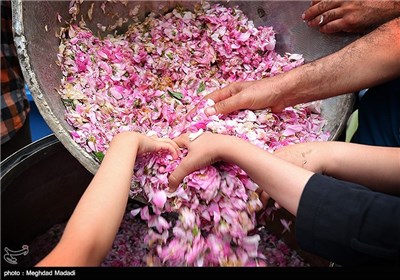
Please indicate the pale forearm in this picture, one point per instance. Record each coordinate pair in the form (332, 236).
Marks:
(375, 167)
(370, 166)
(369, 61)
(283, 181)
(91, 229)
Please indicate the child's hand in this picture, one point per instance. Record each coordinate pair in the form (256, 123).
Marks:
(152, 144)
(203, 151)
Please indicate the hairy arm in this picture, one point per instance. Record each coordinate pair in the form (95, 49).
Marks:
(367, 62)
(350, 16)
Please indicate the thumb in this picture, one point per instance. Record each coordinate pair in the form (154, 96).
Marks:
(186, 167)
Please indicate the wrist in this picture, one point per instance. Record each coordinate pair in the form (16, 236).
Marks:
(289, 87)
(234, 150)
(300, 85)
(127, 139)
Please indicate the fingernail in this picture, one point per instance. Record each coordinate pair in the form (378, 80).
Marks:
(170, 190)
(303, 16)
(210, 111)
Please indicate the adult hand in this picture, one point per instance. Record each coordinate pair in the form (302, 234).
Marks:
(246, 95)
(350, 16)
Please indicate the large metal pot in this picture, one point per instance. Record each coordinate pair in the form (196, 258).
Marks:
(35, 24)
(40, 186)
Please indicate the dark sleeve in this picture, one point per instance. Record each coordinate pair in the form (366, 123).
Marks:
(348, 224)
(379, 116)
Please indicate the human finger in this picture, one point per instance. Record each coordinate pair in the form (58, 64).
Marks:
(326, 18)
(221, 95)
(259, 192)
(233, 103)
(171, 142)
(182, 140)
(264, 199)
(315, 11)
(224, 92)
(172, 148)
(190, 114)
(314, 2)
(333, 27)
(168, 140)
(186, 167)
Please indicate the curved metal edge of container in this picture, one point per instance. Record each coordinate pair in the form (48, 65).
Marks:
(39, 95)
(34, 44)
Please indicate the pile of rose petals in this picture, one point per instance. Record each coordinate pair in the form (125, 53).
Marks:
(129, 250)
(147, 80)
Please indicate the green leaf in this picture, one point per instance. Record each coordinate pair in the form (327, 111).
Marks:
(175, 94)
(68, 102)
(195, 230)
(99, 156)
(202, 87)
(170, 55)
